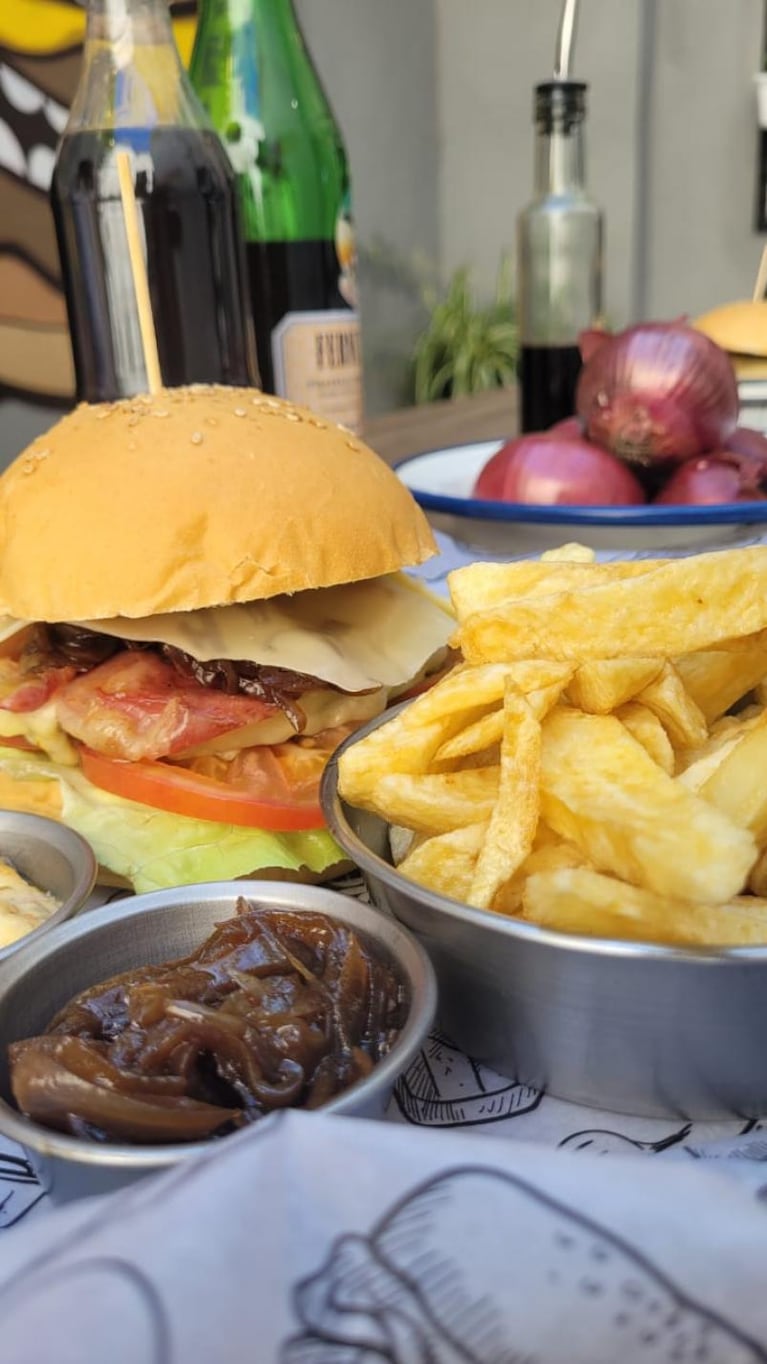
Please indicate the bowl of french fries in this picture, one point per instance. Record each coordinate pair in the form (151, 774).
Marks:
(573, 819)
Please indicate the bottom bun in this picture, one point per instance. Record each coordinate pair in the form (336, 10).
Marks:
(303, 875)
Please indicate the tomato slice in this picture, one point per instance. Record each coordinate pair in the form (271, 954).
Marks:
(268, 801)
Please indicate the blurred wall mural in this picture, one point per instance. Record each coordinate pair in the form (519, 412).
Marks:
(40, 48)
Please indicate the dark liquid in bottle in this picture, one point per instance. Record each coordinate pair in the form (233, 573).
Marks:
(197, 282)
(547, 380)
(289, 277)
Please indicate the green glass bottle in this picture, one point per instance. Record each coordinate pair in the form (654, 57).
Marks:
(251, 68)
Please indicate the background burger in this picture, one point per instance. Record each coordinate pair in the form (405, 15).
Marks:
(740, 329)
(202, 599)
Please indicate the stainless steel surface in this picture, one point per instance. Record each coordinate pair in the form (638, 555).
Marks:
(41, 977)
(629, 1027)
(563, 60)
(53, 858)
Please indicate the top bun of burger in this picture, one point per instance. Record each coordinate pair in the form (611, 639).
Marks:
(741, 329)
(196, 497)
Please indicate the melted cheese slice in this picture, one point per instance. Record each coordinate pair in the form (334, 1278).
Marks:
(358, 636)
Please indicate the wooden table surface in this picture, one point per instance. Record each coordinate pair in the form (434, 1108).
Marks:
(432, 426)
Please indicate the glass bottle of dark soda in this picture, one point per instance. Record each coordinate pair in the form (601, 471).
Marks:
(134, 94)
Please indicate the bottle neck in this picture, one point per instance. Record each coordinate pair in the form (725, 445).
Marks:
(132, 74)
(560, 162)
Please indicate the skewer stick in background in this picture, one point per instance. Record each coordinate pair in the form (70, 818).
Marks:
(760, 287)
(138, 271)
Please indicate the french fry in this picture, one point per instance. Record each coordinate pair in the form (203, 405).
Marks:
(581, 768)
(542, 684)
(602, 791)
(554, 854)
(604, 684)
(697, 765)
(410, 738)
(435, 803)
(577, 900)
(682, 719)
(644, 726)
(716, 679)
(572, 552)
(478, 587)
(757, 880)
(483, 734)
(679, 607)
(514, 819)
(446, 862)
(737, 785)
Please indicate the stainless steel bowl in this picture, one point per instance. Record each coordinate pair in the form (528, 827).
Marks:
(53, 858)
(42, 976)
(630, 1027)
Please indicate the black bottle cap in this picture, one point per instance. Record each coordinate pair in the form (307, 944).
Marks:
(559, 105)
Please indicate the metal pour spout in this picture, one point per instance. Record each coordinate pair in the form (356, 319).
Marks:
(565, 40)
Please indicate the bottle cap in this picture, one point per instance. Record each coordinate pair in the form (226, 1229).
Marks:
(559, 105)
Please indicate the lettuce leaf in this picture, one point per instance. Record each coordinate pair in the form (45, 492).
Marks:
(154, 849)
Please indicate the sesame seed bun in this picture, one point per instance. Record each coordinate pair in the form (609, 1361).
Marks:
(196, 497)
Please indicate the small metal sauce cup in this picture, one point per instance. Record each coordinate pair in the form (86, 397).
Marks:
(53, 858)
(146, 929)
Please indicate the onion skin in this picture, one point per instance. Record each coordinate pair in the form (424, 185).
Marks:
(750, 445)
(568, 427)
(658, 393)
(543, 468)
(701, 482)
(708, 480)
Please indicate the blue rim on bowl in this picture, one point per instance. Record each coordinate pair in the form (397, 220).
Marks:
(423, 481)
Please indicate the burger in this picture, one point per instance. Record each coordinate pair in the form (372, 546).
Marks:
(202, 597)
(740, 329)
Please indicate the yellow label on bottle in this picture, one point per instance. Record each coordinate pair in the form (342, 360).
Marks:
(317, 359)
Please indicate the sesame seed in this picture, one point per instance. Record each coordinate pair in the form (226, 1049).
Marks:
(196, 438)
(292, 416)
(239, 412)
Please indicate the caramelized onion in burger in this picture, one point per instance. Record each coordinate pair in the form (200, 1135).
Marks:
(276, 1008)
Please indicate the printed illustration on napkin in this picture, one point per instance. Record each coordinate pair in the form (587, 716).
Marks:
(443, 1088)
(549, 1286)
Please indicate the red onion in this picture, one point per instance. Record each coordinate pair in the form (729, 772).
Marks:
(657, 392)
(702, 481)
(546, 469)
(569, 428)
(750, 445)
(590, 340)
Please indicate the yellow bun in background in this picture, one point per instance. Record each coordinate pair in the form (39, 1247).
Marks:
(740, 328)
(196, 497)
